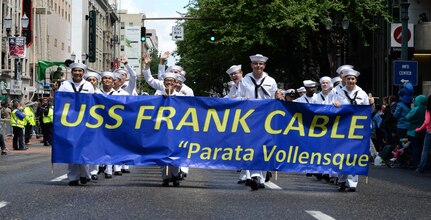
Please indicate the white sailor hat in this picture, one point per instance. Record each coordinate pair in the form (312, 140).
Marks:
(301, 89)
(108, 74)
(258, 58)
(309, 83)
(183, 73)
(343, 67)
(92, 74)
(78, 65)
(118, 75)
(233, 69)
(181, 78)
(290, 92)
(327, 78)
(121, 70)
(351, 72)
(336, 79)
(169, 75)
(174, 67)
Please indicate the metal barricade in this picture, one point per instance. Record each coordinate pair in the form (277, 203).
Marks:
(5, 127)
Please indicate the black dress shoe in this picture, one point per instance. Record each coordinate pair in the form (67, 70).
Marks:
(268, 176)
(351, 190)
(74, 183)
(308, 174)
(342, 187)
(3, 153)
(261, 186)
(118, 173)
(165, 183)
(176, 182)
(248, 182)
(108, 176)
(253, 184)
(94, 177)
(241, 181)
(125, 170)
(83, 180)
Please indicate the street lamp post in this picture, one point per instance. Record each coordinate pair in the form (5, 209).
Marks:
(338, 33)
(7, 24)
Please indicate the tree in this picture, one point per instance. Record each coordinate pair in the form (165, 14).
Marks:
(291, 33)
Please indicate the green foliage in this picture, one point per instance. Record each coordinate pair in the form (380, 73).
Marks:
(291, 33)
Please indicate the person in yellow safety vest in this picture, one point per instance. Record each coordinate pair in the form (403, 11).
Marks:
(17, 123)
(47, 120)
(29, 121)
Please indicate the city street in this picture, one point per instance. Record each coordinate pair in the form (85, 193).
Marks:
(33, 188)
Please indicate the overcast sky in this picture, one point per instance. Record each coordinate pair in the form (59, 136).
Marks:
(157, 9)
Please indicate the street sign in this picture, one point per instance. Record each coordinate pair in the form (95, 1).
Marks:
(396, 35)
(30, 89)
(405, 70)
(15, 87)
(177, 33)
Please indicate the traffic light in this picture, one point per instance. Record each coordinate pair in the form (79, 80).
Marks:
(143, 34)
(212, 35)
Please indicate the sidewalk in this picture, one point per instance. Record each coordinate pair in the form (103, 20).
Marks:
(34, 146)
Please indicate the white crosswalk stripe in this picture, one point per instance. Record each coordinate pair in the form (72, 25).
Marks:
(60, 178)
(3, 204)
(319, 215)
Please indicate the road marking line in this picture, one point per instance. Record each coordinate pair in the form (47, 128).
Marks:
(272, 185)
(3, 204)
(319, 215)
(60, 178)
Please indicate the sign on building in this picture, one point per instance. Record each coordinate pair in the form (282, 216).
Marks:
(132, 47)
(15, 87)
(405, 70)
(16, 47)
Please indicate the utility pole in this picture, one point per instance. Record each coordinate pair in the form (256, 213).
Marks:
(404, 34)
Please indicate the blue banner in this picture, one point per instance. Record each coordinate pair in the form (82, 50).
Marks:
(213, 133)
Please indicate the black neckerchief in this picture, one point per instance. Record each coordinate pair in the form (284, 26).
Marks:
(74, 88)
(256, 87)
(352, 101)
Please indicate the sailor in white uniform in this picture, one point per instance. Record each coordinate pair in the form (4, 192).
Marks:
(350, 94)
(257, 85)
(236, 75)
(310, 95)
(77, 173)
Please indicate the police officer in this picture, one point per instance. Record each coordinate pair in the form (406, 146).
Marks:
(77, 172)
(30, 121)
(47, 115)
(17, 123)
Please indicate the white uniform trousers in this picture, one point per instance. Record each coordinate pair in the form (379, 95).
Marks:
(169, 172)
(184, 170)
(350, 180)
(261, 175)
(244, 175)
(94, 169)
(75, 171)
(108, 170)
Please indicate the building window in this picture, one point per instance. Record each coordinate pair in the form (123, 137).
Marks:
(122, 47)
(122, 37)
(130, 23)
(122, 25)
(62, 46)
(55, 42)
